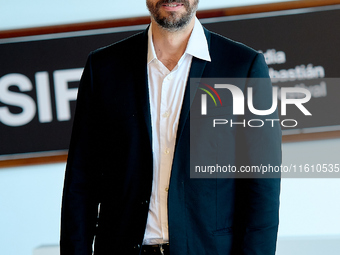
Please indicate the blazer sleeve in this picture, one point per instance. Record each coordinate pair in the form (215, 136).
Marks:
(261, 146)
(80, 194)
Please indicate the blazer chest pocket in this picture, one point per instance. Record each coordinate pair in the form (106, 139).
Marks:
(223, 231)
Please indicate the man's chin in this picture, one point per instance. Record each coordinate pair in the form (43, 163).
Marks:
(172, 15)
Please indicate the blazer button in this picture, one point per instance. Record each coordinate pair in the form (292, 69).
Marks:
(136, 246)
(144, 202)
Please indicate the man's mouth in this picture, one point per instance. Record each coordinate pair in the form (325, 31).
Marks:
(172, 6)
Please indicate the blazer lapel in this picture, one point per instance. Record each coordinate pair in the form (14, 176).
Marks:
(141, 81)
(196, 71)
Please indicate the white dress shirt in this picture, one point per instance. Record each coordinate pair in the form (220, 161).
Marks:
(166, 92)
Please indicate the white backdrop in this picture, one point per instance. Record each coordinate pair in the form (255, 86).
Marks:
(23, 13)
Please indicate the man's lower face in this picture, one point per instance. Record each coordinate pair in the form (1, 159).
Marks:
(172, 15)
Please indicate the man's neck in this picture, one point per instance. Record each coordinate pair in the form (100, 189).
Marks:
(170, 46)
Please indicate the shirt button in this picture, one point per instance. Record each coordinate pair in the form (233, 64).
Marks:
(167, 151)
(169, 77)
(166, 189)
(166, 114)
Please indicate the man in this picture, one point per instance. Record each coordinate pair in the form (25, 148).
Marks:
(129, 150)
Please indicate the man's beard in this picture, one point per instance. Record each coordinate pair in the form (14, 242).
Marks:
(174, 21)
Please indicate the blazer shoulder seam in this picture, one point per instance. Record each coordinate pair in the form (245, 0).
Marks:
(235, 43)
(121, 43)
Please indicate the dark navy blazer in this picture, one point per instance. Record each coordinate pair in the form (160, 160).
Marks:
(110, 162)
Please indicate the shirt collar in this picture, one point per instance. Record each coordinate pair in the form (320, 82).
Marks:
(197, 44)
(151, 49)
